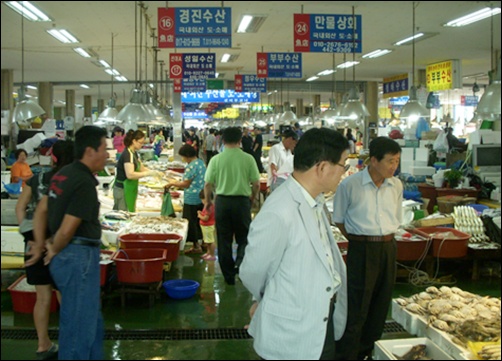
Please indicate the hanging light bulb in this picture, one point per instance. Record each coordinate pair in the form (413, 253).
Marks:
(413, 110)
(25, 109)
(354, 111)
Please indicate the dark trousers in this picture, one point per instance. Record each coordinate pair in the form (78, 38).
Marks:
(194, 231)
(371, 274)
(233, 217)
(209, 155)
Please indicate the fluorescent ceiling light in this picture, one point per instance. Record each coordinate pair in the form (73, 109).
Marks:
(105, 64)
(112, 71)
(63, 36)
(84, 86)
(250, 23)
(27, 9)
(216, 75)
(326, 72)
(31, 87)
(246, 20)
(347, 64)
(82, 52)
(377, 53)
(312, 78)
(475, 16)
(401, 42)
(121, 78)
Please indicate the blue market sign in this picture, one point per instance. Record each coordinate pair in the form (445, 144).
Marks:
(322, 33)
(220, 96)
(250, 83)
(193, 85)
(208, 27)
(192, 65)
(279, 65)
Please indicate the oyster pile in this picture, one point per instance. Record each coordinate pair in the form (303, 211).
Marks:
(160, 224)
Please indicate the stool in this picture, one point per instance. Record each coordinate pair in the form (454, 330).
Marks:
(152, 289)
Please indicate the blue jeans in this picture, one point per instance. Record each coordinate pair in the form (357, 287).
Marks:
(76, 272)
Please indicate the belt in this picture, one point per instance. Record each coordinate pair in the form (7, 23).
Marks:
(386, 238)
(83, 242)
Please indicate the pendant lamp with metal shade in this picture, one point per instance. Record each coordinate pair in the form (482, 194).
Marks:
(354, 111)
(288, 117)
(110, 113)
(330, 115)
(25, 108)
(134, 111)
(413, 110)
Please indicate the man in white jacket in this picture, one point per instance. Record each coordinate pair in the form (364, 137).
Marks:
(293, 266)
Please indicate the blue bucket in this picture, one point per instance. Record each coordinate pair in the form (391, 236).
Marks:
(180, 289)
(478, 207)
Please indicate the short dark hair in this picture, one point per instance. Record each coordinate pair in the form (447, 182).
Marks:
(290, 134)
(19, 151)
(317, 145)
(232, 135)
(381, 146)
(63, 151)
(186, 150)
(88, 136)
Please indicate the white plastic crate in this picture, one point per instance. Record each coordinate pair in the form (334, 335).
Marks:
(386, 349)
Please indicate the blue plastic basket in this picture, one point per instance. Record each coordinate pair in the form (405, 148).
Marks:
(478, 207)
(180, 289)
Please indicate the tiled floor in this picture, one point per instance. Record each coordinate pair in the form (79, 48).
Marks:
(216, 306)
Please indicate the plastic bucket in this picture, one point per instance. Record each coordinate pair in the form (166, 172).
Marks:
(140, 265)
(453, 246)
(169, 241)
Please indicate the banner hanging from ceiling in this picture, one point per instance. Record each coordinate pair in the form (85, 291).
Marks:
(322, 33)
(194, 27)
(220, 96)
(396, 86)
(444, 75)
(192, 66)
(250, 83)
(279, 65)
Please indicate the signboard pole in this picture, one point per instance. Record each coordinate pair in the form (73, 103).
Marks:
(177, 136)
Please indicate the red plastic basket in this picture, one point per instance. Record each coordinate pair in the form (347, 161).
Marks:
(104, 268)
(169, 241)
(24, 301)
(143, 265)
(410, 250)
(446, 247)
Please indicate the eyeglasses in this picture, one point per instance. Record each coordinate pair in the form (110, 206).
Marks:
(344, 166)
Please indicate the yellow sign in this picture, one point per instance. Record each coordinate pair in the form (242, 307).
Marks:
(443, 75)
(395, 86)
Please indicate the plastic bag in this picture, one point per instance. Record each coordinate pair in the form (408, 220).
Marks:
(441, 143)
(13, 188)
(167, 208)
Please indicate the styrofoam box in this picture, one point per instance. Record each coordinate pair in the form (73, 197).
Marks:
(12, 240)
(443, 340)
(44, 160)
(385, 349)
(417, 170)
(408, 320)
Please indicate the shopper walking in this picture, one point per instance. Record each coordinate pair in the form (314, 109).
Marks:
(210, 145)
(293, 266)
(118, 140)
(193, 183)
(367, 210)
(247, 141)
(234, 176)
(129, 170)
(257, 148)
(38, 274)
(73, 247)
(281, 160)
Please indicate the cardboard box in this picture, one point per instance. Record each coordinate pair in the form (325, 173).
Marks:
(386, 349)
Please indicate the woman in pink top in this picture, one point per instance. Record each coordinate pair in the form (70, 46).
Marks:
(118, 139)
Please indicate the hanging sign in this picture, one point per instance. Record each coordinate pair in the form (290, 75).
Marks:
(193, 85)
(279, 65)
(396, 86)
(444, 75)
(194, 27)
(192, 66)
(469, 100)
(250, 83)
(321, 33)
(220, 96)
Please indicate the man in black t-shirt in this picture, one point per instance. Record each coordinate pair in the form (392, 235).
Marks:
(71, 211)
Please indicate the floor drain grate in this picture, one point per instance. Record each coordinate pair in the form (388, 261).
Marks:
(166, 334)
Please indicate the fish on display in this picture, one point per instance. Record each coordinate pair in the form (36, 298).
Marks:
(417, 352)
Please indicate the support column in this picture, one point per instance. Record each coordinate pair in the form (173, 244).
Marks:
(46, 97)
(70, 112)
(7, 88)
(87, 106)
(316, 106)
(371, 101)
(177, 139)
(101, 106)
(299, 108)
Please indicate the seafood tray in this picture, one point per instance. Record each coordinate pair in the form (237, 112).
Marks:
(408, 320)
(389, 349)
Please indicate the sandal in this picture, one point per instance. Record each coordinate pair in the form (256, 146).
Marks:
(50, 354)
(210, 258)
(194, 251)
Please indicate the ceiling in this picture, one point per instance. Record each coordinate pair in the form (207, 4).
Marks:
(384, 23)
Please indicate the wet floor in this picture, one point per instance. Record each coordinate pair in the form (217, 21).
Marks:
(213, 320)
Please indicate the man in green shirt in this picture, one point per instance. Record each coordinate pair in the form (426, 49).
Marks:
(235, 180)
